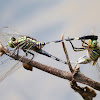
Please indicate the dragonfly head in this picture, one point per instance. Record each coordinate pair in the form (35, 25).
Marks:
(92, 43)
(11, 42)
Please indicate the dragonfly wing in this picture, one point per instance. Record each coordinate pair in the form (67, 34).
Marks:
(7, 67)
(6, 34)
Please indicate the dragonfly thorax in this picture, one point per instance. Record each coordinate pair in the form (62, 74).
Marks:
(26, 42)
(94, 53)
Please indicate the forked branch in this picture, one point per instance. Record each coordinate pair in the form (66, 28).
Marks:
(57, 72)
(86, 92)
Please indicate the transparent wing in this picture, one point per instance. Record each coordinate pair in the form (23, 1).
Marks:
(3, 59)
(7, 33)
(7, 67)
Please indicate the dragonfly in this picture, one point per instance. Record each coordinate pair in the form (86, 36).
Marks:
(28, 44)
(93, 52)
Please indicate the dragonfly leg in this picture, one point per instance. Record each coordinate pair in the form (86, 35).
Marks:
(26, 51)
(31, 54)
(84, 42)
(32, 57)
(76, 49)
(84, 45)
(15, 51)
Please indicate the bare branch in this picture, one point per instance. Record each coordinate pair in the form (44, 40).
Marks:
(86, 92)
(57, 72)
(66, 54)
(60, 73)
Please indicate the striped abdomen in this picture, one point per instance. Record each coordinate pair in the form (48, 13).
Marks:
(94, 53)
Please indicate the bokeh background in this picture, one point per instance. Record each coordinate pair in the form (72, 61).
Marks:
(46, 20)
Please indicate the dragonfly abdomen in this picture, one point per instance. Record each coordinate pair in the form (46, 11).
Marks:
(94, 53)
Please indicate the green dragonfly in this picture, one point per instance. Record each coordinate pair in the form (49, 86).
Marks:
(93, 52)
(29, 44)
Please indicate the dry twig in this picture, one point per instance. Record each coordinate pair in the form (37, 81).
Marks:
(86, 92)
(57, 72)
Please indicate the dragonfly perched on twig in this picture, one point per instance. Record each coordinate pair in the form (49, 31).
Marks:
(29, 44)
(93, 52)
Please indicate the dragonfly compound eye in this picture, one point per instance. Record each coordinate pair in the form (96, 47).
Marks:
(13, 39)
(94, 43)
(10, 44)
